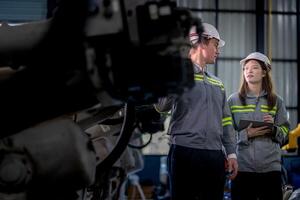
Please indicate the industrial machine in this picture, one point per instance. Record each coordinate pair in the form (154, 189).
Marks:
(92, 70)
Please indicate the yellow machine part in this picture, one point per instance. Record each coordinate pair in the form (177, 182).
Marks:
(293, 137)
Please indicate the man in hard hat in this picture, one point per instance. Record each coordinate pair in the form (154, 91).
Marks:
(202, 137)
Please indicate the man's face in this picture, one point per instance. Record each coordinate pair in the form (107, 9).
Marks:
(210, 51)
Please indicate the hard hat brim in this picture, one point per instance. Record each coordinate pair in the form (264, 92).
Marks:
(221, 43)
(242, 62)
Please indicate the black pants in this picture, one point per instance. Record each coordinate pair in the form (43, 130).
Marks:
(196, 174)
(254, 186)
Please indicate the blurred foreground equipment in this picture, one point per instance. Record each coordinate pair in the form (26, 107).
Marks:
(69, 77)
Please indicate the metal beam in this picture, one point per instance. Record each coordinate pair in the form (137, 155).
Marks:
(298, 58)
(260, 24)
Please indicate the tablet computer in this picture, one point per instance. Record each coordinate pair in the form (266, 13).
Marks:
(245, 123)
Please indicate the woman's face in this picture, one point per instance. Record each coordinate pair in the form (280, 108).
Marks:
(253, 72)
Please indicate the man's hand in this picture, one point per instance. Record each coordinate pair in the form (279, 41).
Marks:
(232, 167)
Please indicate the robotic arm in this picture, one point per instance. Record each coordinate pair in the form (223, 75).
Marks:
(124, 52)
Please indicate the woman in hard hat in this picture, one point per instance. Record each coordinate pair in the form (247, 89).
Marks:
(200, 127)
(258, 149)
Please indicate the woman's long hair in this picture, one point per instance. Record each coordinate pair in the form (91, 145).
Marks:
(267, 85)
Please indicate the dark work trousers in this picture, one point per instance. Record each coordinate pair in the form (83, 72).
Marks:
(196, 174)
(257, 186)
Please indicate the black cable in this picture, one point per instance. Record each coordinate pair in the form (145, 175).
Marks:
(141, 146)
(115, 121)
(125, 135)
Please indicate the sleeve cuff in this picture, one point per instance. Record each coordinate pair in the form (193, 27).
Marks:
(232, 155)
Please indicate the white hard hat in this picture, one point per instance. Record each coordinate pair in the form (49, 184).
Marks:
(194, 36)
(211, 32)
(257, 56)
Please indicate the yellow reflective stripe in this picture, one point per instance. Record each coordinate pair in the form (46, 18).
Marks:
(284, 129)
(215, 81)
(246, 106)
(198, 79)
(226, 123)
(242, 110)
(226, 119)
(267, 107)
(208, 78)
(217, 84)
(273, 112)
(198, 76)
